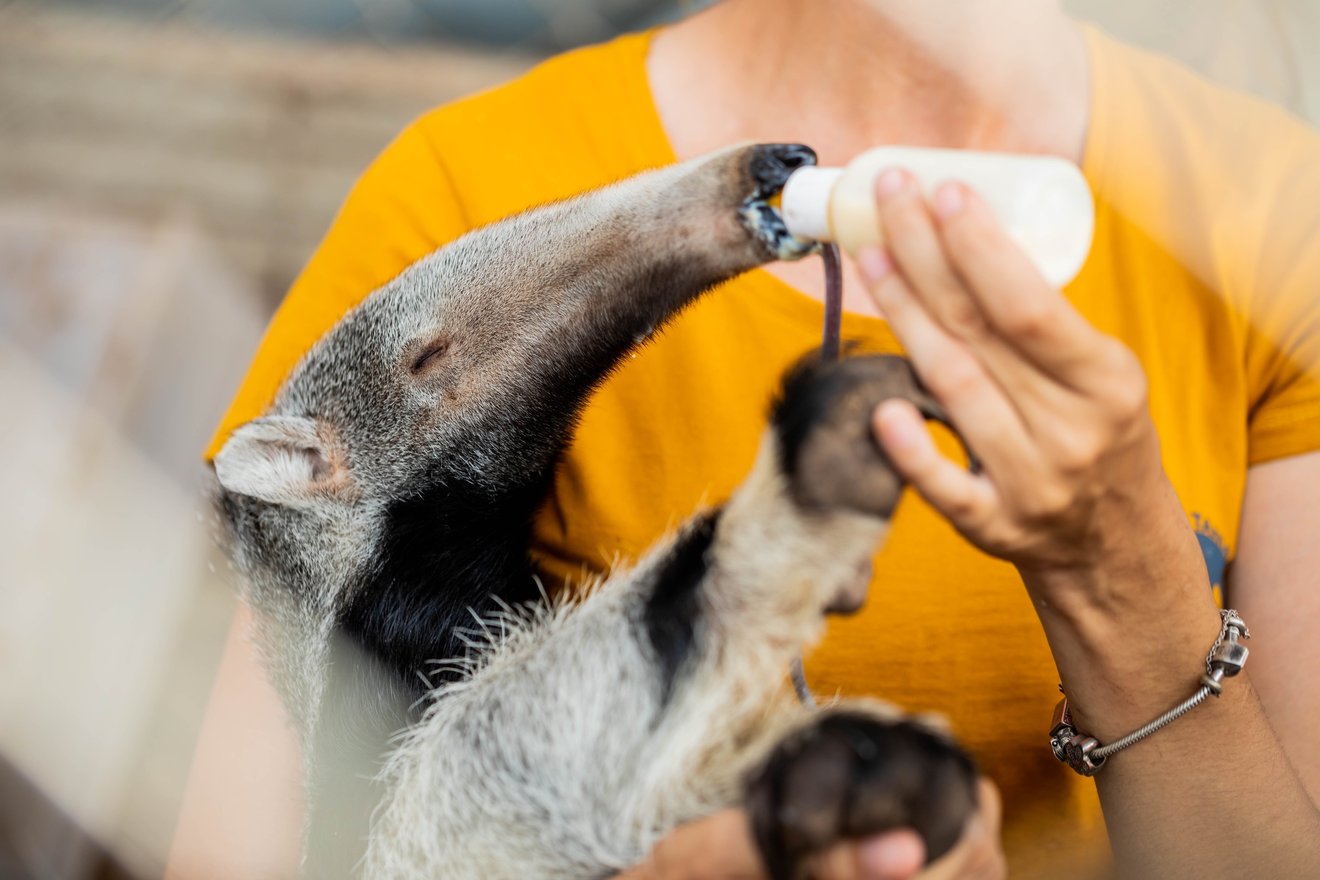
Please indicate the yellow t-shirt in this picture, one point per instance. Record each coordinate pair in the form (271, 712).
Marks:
(1204, 263)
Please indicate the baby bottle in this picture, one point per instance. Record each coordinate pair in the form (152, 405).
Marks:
(1042, 202)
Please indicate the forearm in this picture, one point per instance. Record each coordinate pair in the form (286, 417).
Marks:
(1210, 795)
(242, 812)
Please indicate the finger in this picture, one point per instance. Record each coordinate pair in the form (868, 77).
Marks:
(914, 242)
(919, 254)
(1026, 311)
(975, 403)
(967, 500)
(718, 847)
(990, 805)
(897, 855)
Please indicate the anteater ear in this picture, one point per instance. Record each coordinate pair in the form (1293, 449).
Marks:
(281, 459)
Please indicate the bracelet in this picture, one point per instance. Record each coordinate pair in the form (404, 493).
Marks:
(1086, 755)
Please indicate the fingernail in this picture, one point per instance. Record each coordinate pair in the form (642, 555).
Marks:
(890, 183)
(949, 200)
(897, 854)
(874, 263)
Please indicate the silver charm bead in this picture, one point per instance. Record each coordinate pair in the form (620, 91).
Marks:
(1061, 729)
(1077, 754)
(1230, 656)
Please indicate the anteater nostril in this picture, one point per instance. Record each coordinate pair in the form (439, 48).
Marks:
(796, 155)
(773, 163)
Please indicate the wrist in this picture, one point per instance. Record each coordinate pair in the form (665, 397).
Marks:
(1129, 641)
(1087, 755)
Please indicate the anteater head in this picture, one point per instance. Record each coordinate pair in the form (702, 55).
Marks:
(468, 369)
(385, 403)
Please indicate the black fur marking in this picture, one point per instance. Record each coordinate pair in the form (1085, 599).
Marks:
(448, 550)
(671, 612)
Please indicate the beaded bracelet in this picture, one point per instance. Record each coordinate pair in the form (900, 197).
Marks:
(1086, 755)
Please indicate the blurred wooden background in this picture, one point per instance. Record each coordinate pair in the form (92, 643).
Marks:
(160, 186)
(254, 139)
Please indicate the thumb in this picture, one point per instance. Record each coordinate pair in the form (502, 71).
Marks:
(895, 855)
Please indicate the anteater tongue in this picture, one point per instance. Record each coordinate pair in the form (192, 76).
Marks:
(829, 344)
(829, 351)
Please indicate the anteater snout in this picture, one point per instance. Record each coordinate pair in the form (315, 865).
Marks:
(767, 168)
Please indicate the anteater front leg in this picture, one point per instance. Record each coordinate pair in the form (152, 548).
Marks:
(796, 538)
(745, 587)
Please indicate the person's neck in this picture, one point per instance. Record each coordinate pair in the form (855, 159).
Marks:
(846, 75)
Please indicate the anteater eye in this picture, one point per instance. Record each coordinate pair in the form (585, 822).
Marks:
(430, 355)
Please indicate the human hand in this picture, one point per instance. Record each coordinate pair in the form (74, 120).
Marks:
(720, 847)
(1054, 410)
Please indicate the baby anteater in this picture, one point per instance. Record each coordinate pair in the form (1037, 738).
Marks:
(380, 512)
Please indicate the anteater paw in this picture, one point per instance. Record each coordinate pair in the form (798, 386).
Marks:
(850, 774)
(827, 446)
